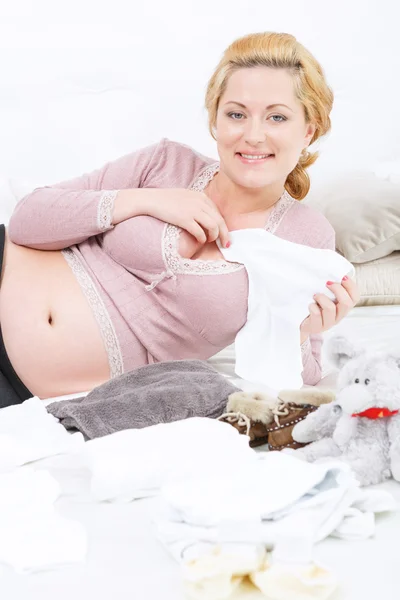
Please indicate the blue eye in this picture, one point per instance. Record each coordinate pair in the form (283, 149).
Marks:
(235, 113)
(278, 117)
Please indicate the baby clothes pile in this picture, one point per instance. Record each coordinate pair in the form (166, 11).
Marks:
(218, 526)
(220, 497)
(224, 504)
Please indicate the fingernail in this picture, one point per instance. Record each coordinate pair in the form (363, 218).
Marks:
(345, 278)
(227, 244)
(330, 282)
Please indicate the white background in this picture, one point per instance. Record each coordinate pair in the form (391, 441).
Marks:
(84, 81)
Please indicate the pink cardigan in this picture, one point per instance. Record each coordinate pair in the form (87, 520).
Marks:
(150, 303)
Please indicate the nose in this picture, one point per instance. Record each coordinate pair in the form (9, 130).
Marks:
(255, 132)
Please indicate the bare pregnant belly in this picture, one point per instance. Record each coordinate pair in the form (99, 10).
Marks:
(49, 331)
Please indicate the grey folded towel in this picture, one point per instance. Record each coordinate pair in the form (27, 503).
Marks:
(158, 393)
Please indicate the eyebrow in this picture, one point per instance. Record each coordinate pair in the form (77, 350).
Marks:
(268, 107)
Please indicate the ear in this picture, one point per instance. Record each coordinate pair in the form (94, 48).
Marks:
(309, 134)
(340, 350)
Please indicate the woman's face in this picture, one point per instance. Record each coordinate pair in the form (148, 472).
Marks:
(260, 127)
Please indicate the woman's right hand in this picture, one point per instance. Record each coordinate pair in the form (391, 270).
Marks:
(193, 211)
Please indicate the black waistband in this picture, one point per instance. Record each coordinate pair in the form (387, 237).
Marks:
(5, 365)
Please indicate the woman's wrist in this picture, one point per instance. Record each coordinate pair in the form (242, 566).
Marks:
(131, 203)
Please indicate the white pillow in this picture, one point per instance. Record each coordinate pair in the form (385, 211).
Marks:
(379, 281)
(364, 211)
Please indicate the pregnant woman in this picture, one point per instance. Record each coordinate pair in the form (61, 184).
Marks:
(120, 267)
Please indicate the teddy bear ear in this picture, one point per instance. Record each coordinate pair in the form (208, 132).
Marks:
(340, 350)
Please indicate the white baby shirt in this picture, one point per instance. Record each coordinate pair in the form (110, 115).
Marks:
(283, 278)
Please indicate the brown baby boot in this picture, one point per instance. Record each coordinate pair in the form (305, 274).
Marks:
(250, 414)
(266, 419)
(294, 406)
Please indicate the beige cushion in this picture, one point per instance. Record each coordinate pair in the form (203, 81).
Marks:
(364, 211)
(379, 281)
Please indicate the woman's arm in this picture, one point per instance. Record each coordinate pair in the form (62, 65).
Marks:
(311, 356)
(58, 216)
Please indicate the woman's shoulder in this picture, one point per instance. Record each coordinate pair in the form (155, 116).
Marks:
(308, 226)
(176, 164)
(180, 149)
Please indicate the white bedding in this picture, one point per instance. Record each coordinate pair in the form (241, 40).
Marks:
(125, 561)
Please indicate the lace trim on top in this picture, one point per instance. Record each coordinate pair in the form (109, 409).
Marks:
(100, 312)
(105, 210)
(279, 211)
(178, 264)
(204, 177)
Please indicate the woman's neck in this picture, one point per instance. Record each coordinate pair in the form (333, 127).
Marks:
(234, 200)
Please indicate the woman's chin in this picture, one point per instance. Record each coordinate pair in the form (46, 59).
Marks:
(255, 183)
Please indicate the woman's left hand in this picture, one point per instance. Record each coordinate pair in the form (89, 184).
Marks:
(326, 313)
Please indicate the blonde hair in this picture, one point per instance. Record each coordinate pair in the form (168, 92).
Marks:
(279, 51)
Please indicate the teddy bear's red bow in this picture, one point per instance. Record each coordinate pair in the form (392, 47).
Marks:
(376, 413)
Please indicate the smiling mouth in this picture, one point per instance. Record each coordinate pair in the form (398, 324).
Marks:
(254, 157)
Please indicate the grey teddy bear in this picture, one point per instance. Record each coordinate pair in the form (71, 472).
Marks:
(362, 425)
